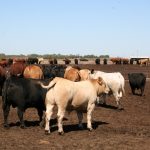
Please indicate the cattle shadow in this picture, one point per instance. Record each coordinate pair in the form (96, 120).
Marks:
(109, 107)
(27, 123)
(74, 127)
(54, 127)
(137, 94)
(33, 123)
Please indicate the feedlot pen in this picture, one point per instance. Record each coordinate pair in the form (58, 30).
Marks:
(127, 129)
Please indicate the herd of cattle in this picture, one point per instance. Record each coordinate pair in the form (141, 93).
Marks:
(139, 61)
(68, 87)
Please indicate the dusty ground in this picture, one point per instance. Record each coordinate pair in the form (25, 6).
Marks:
(128, 129)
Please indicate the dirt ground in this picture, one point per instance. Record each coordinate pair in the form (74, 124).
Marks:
(128, 129)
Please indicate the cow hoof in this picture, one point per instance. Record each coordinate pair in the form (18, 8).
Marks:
(23, 127)
(6, 126)
(61, 133)
(120, 109)
(90, 129)
(47, 132)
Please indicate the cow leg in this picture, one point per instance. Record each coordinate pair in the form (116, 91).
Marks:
(101, 99)
(60, 114)
(6, 109)
(48, 114)
(120, 94)
(89, 116)
(104, 99)
(117, 98)
(133, 91)
(20, 115)
(42, 123)
(40, 113)
(142, 90)
(80, 118)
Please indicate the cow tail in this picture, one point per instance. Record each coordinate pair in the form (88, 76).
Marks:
(51, 84)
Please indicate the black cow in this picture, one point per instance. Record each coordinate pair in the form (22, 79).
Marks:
(137, 81)
(23, 93)
(51, 71)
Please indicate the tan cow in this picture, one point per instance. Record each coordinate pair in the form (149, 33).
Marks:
(144, 61)
(72, 74)
(84, 74)
(33, 71)
(69, 95)
(76, 74)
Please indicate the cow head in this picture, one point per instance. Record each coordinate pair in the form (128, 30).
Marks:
(103, 85)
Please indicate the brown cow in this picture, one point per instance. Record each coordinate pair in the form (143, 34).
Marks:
(72, 74)
(33, 71)
(17, 69)
(76, 74)
(3, 63)
(19, 60)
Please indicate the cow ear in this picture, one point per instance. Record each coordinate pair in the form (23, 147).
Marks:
(100, 80)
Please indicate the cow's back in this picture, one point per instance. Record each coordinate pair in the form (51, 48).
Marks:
(33, 71)
(24, 93)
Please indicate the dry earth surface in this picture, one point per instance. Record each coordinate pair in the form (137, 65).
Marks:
(128, 129)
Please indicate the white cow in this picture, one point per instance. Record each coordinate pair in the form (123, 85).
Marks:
(69, 95)
(115, 82)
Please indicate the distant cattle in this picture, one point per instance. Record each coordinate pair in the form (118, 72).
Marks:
(67, 61)
(137, 81)
(76, 61)
(55, 61)
(97, 61)
(116, 60)
(144, 62)
(3, 62)
(32, 60)
(45, 61)
(105, 61)
(69, 95)
(114, 81)
(134, 61)
(33, 71)
(22, 93)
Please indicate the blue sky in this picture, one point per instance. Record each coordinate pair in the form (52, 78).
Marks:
(100, 27)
